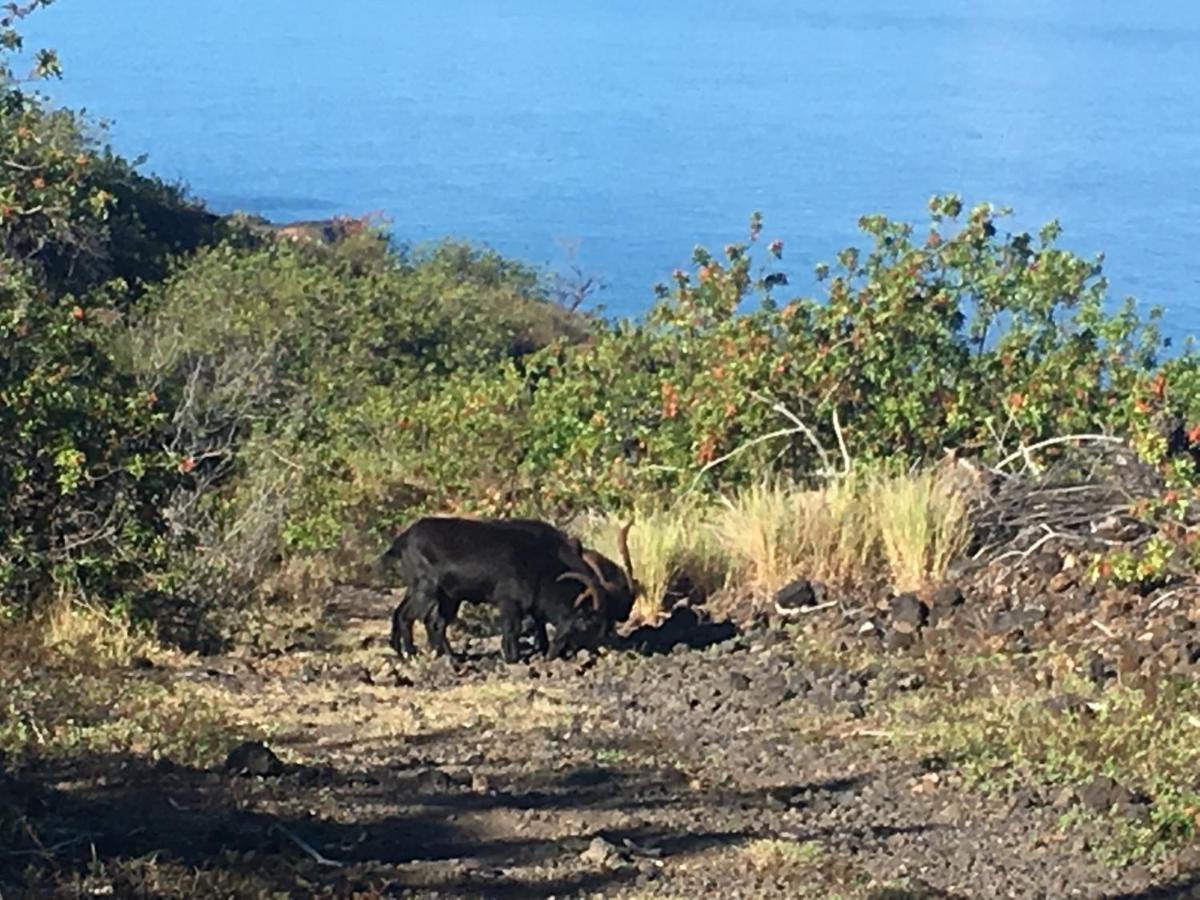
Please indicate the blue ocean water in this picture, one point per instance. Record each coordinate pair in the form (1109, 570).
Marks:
(626, 132)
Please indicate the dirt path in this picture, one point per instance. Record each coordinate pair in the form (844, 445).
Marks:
(739, 770)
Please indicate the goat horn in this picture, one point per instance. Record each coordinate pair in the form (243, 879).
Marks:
(589, 588)
(623, 543)
(589, 557)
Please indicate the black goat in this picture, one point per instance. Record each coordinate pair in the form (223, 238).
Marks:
(612, 589)
(525, 567)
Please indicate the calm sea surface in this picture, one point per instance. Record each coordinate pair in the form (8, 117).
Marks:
(626, 132)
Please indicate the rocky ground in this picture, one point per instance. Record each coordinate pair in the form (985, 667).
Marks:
(699, 759)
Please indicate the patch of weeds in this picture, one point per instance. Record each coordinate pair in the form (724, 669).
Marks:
(1002, 730)
(66, 689)
(1119, 841)
(50, 714)
(775, 855)
(610, 756)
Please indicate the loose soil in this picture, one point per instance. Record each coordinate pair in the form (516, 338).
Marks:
(698, 760)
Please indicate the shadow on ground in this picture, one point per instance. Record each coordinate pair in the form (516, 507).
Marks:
(121, 824)
(682, 628)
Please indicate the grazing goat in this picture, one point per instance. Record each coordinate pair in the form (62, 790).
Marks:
(612, 588)
(525, 568)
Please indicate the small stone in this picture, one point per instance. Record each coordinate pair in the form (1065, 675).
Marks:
(792, 598)
(798, 683)
(1046, 564)
(1062, 581)
(1029, 616)
(911, 682)
(848, 691)
(774, 689)
(1063, 799)
(1189, 859)
(947, 596)
(480, 783)
(1101, 794)
(600, 853)
(897, 640)
(908, 609)
(1100, 669)
(433, 781)
(1066, 703)
(738, 681)
(1139, 875)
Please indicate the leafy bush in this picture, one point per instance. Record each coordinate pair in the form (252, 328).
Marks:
(81, 474)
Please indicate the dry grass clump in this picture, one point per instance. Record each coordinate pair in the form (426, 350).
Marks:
(923, 524)
(905, 526)
(664, 544)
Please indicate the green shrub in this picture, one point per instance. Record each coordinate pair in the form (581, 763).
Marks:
(82, 476)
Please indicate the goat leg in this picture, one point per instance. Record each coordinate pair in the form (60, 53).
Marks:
(510, 632)
(402, 630)
(435, 631)
(541, 641)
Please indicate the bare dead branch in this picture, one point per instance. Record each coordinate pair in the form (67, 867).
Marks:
(306, 847)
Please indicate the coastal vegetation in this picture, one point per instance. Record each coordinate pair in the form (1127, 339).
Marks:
(209, 425)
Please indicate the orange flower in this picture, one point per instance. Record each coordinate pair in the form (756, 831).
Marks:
(77, 313)
(1016, 401)
(670, 401)
(1159, 386)
(1193, 436)
(187, 464)
(1141, 405)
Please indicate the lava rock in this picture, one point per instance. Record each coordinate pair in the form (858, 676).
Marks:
(1028, 616)
(600, 853)
(433, 781)
(1045, 564)
(1102, 793)
(899, 640)
(913, 681)
(1061, 582)
(253, 758)
(909, 613)
(1066, 703)
(1100, 670)
(794, 597)
(947, 597)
